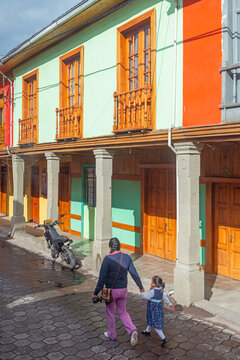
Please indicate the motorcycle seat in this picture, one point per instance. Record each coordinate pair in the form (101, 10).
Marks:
(60, 238)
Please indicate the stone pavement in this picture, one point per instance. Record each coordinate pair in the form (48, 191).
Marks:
(46, 313)
(222, 294)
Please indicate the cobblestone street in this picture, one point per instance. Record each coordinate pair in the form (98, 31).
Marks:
(47, 313)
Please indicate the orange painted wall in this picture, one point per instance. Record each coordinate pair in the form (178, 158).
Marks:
(202, 58)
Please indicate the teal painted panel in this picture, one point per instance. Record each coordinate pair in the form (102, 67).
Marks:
(89, 222)
(76, 196)
(127, 237)
(76, 225)
(202, 211)
(202, 255)
(126, 202)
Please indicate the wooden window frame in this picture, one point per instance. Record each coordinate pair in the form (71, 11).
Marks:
(25, 105)
(91, 201)
(122, 55)
(63, 74)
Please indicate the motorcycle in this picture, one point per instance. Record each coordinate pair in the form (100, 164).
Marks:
(59, 244)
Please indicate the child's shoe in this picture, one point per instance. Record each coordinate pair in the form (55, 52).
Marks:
(145, 332)
(163, 342)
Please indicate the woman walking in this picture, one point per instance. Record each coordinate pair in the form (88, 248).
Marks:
(113, 274)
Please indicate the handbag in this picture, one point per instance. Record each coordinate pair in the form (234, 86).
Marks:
(106, 293)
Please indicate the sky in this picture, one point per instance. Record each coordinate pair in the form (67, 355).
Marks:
(20, 19)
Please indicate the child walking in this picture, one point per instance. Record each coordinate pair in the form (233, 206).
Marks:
(155, 315)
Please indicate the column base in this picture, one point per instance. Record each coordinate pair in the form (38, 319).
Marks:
(17, 224)
(99, 250)
(188, 284)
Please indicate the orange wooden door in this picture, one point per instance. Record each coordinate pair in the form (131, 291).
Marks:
(35, 193)
(234, 247)
(227, 230)
(160, 213)
(4, 190)
(64, 197)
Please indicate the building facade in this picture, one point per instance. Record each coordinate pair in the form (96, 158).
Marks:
(126, 121)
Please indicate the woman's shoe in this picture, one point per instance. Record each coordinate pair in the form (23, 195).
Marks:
(134, 338)
(145, 332)
(106, 335)
(163, 342)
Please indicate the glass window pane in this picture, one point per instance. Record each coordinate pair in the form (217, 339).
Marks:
(136, 65)
(146, 36)
(146, 61)
(136, 43)
(135, 82)
(131, 66)
(131, 84)
(146, 79)
(130, 46)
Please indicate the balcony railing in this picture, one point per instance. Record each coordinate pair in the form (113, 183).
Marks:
(132, 110)
(68, 122)
(27, 131)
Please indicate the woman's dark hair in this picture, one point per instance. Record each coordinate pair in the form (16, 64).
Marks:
(158, 282)
(114, 244)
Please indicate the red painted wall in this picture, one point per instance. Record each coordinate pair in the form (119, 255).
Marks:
(8, 109)
(202, 58)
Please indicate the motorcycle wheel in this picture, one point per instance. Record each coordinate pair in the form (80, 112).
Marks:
(67, 256)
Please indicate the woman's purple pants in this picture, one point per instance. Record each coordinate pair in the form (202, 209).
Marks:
(120, 299)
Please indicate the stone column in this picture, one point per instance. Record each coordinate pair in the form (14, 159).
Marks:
(188, 276)
(52, 185)
(18, 220)
(103, 228)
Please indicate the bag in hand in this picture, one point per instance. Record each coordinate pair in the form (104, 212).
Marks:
(106, 293)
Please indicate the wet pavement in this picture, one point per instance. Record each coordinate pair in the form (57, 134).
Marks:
(46, 313)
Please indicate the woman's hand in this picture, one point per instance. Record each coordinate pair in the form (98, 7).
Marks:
(94, 296)
(172, 308)
(142, 290)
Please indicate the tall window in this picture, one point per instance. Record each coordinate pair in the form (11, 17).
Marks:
(90, 186)
(139, 63)
(135, 95)
(136, 52)
(71, 78)
(30, 95)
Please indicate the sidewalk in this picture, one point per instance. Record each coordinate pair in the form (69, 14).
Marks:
(222, 294)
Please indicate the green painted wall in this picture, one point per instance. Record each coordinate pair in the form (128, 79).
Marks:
(89, 222)
(126, 209)
(202, 221)
(76, 203)
(99, 42)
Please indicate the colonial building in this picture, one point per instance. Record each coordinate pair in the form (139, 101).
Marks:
(126, 119)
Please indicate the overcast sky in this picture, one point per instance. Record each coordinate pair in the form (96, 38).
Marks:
(20, 19)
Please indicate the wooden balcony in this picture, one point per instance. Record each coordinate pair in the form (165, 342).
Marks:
(68, 123)
(28, 131)
(132, 110)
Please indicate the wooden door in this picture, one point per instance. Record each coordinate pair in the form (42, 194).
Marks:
(4, 190)
(35, 193)
(64, 196)
(160, 212)
(227, 230)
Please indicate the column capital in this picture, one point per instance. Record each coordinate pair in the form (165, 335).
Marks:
(51, 156)
(103, 153)
(16, 157)
(189, 148)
